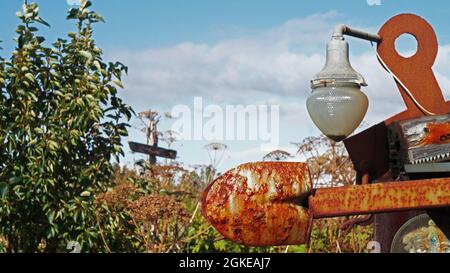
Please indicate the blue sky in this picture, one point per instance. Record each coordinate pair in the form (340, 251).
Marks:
(153, 23)
(236, 51)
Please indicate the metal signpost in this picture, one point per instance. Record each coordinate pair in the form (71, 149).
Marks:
(151, 148)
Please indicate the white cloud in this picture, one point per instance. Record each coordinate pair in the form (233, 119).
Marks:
(73, 2)
(272, 66)
(274, 62)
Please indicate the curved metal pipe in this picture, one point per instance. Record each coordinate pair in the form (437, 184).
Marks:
(341, 30)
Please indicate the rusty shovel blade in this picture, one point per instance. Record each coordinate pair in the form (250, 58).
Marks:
(255, 204)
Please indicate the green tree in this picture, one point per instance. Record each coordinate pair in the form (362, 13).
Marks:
(61, 125)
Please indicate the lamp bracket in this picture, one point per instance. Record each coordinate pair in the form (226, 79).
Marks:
(341, 30)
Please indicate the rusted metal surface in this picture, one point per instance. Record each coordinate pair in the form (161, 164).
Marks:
(379, 198)
(425, 131)
(369, 153)
(264, 204)
(417, 74)
(421, 140)
(416, 71)
(259, 204)
(437, 133)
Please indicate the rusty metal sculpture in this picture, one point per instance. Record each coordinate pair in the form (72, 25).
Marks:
(265, 204)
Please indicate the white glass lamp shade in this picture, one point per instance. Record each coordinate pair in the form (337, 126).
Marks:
(337, 110)
(336, 105)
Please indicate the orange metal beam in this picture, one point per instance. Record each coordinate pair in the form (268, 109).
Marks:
(380, 198)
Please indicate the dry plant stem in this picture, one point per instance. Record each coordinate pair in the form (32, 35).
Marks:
(186, 226)
(198, 234)
(354, 246)
(108, 250)
(141, 233)
(338, 248)
(151, 247)
(163, 238)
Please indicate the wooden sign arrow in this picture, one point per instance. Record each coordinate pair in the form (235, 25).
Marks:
(152, 150)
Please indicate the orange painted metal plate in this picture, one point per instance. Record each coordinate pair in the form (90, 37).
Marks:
(382, 197)
(256, 204)
(415, 71)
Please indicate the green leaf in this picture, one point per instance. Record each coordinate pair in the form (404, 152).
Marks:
(73, 13)
(85, 4)
(40, 39)
(85, 194)
(29, 77)
(53, 145)
(118, 83)
(4, 189)
(51, 216)
(86, 55)
(41, 21)
(33, 142)
(97, 65)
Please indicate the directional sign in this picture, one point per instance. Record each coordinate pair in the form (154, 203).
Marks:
(152, 150)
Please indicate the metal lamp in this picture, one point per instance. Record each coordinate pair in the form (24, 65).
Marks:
(336, 105)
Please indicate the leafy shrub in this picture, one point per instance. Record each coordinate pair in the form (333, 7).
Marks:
(61, 125)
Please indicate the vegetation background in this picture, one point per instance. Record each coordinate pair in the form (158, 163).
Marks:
(62, 126)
